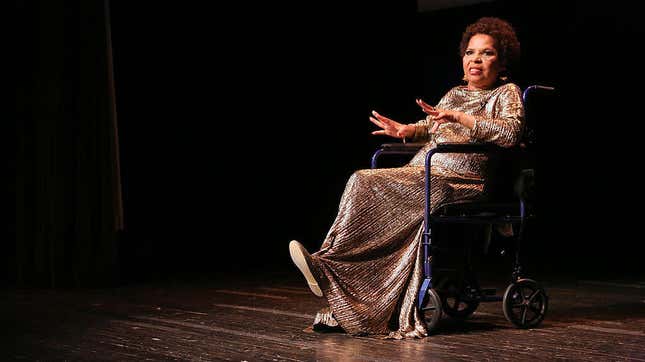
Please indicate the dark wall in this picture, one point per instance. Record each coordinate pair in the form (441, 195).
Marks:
(240, 126)
(239, 137)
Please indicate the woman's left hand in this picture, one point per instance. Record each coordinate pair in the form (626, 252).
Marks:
(441, 116)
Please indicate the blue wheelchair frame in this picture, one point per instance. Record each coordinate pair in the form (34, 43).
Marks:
(517, 303)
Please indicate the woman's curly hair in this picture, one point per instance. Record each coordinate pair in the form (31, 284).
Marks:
(506, 43)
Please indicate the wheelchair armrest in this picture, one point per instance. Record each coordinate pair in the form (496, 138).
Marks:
(411, 147)
(454, 147)
(395, 149)
(450, 147)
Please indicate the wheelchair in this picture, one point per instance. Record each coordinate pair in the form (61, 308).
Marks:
(511, 201)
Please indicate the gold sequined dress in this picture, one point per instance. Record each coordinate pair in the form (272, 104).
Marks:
(371, 260)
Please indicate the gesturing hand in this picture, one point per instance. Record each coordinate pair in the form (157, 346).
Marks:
(391, 127)
(440, 116)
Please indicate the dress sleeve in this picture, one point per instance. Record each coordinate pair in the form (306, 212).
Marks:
(504, 127)
(422, 130)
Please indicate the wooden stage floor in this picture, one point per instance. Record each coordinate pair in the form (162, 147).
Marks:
(237, 318)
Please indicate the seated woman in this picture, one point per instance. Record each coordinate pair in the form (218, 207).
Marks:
(369, 267)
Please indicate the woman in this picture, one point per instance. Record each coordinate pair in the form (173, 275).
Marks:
(369, 267)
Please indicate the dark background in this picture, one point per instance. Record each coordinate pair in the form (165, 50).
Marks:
(238, 125)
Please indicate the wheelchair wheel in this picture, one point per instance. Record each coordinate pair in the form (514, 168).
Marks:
(431, 309)
(458, 298)
(525, 303)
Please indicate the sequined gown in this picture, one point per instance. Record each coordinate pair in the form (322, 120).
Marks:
(370, 262)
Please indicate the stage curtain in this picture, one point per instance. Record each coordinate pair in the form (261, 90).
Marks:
(68, 213)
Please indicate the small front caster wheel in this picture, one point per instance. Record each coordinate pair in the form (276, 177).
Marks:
(525, 303)
(458, 298)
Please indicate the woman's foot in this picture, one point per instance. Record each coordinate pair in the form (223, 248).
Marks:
(325, 322)
(301, 258)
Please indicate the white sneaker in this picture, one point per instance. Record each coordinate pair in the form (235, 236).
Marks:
(300, 257)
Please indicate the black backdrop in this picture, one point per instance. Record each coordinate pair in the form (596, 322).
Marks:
(239, 125)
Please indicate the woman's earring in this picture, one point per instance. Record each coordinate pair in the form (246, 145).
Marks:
(503, 76)
(465, 79)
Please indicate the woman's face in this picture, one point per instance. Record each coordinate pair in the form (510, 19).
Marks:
(481, 62)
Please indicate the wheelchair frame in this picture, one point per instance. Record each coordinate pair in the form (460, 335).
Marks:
(522, 296)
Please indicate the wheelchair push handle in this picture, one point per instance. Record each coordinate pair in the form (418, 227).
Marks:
(534, 87)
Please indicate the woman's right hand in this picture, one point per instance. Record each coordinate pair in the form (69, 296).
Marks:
(391, 127)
